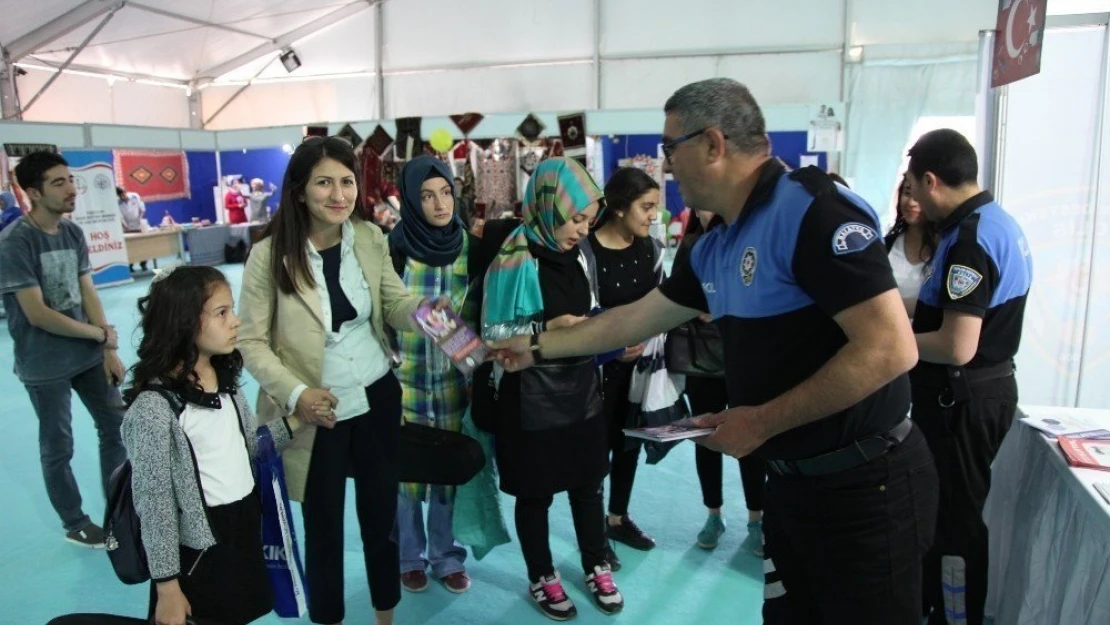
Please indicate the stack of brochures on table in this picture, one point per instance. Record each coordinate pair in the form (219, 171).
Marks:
(1087, 453)
(676, 431)
(1069, 425)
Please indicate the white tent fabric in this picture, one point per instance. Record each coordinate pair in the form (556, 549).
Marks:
(437, 57)
(898, 90)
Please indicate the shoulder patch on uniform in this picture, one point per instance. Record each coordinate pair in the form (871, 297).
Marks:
(962, 281)
(853, 237)
(747, 266)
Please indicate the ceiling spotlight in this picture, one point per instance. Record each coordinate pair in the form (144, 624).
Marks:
(289, 60)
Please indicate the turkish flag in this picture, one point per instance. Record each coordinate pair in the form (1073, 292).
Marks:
(1018, 40)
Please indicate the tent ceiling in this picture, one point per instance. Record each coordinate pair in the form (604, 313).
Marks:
(145, 37)
(239, 39)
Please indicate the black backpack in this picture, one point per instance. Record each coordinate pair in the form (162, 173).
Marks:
(123, 538)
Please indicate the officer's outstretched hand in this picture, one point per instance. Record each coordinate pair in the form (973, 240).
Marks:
(739, 431)
(514, 354)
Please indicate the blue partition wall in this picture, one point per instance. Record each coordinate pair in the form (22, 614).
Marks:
(268, 164)
(789, 146)
(200, 204)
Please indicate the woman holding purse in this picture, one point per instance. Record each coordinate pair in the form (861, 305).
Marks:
(549, 426)
(431, 252)
(317, 294)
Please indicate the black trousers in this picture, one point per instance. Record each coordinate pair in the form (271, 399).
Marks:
(624, 451)
(964, 439)
(589, 526)
(707, 395)
(753, 477)
(847, 548)
(367, 446)
(228, 582)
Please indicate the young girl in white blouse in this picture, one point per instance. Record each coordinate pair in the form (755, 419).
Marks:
(190, 435)
(910, 243)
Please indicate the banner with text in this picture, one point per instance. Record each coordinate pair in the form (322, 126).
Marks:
(97, 213)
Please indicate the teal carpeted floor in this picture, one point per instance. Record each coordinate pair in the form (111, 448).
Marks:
(676, 583)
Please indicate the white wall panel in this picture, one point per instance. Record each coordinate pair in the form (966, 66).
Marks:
(291, 103)
(772, 78)
(885, 21)
(438, 33)
(1051, 198)
(635, 27)
(86, 99)
(149, 105)
(74, 99)
(546, 88)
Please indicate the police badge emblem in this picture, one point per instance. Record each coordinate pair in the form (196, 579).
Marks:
(747, 266)
(962, 281)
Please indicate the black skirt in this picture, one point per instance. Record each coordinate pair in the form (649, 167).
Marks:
(227, 583)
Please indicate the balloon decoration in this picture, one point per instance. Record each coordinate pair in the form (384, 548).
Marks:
(441, 140)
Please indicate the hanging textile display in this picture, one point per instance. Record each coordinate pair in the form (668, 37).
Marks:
(496, 178)
(467, 122)
(530, 129)
(348, 132)
(572, 130)
(156, 176)
(528, 157)
(408, 143)
(379, 140)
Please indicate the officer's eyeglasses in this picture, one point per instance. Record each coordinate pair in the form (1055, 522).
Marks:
(670, 146)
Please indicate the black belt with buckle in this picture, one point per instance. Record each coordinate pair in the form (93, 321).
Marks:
(854, 455)
(955, 383)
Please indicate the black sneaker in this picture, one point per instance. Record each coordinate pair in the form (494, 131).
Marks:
(601, 586)
(628, 533)
(552, 599)
(89, 536)
(611, 557)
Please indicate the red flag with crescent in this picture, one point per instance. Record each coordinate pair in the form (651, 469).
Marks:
(1018, 41)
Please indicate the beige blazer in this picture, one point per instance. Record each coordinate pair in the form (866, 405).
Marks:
(282, 335)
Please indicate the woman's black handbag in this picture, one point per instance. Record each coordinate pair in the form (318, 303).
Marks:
(429, 455)
(696, 349)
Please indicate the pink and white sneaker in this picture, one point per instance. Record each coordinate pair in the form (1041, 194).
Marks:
(601, 586)
(549, 595)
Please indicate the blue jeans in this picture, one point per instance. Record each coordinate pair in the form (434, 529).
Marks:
(52, 405)
(438, 548)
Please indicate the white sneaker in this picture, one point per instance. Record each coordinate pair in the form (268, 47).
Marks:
(601, 586)
(551, 597)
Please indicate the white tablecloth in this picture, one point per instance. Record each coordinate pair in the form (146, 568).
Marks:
(1049, 532)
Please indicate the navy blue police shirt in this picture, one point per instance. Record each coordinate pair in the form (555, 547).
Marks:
(802, 251)
(982, 267)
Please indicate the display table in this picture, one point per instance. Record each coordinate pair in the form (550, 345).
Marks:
(153, 244)
(1049, 532)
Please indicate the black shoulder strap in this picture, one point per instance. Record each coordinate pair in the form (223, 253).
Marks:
(815, 180)
(399, 260)
(175, 401)
(473, 258)
(588, 253)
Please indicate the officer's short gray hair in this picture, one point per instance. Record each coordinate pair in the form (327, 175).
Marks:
(723, 103)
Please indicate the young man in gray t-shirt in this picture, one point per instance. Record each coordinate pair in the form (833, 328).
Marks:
(63, 342)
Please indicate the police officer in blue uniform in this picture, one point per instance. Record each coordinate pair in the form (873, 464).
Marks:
(817, 348)
(968, 327)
